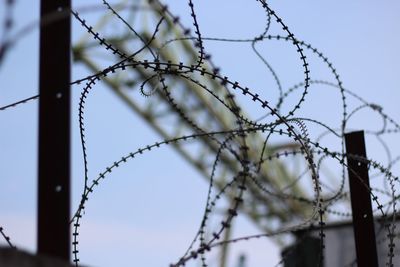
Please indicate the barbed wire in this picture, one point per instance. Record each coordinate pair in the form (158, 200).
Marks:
(246, 179)
(6, 238)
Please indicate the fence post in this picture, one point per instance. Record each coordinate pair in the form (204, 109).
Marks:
(54, 130)
(363, 220)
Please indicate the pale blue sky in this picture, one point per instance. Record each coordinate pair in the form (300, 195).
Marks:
(121, 226)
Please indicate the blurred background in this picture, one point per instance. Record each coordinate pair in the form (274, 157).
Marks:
(147, 212)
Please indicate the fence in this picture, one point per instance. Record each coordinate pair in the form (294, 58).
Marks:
(245, 142)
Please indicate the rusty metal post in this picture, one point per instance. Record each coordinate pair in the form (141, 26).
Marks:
(363, 221)
(54, 130)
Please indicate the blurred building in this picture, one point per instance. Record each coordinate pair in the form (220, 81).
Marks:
(339, 245)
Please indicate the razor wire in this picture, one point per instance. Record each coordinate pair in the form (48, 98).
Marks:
(235, 142)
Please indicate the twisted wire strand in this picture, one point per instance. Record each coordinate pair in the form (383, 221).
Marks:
(6, 238)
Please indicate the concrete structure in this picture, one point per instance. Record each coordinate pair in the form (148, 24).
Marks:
(339, 247)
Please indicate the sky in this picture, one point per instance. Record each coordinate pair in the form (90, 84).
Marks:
(148, 211)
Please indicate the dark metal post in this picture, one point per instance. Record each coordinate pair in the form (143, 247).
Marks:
(54, 130)
(363, 221)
